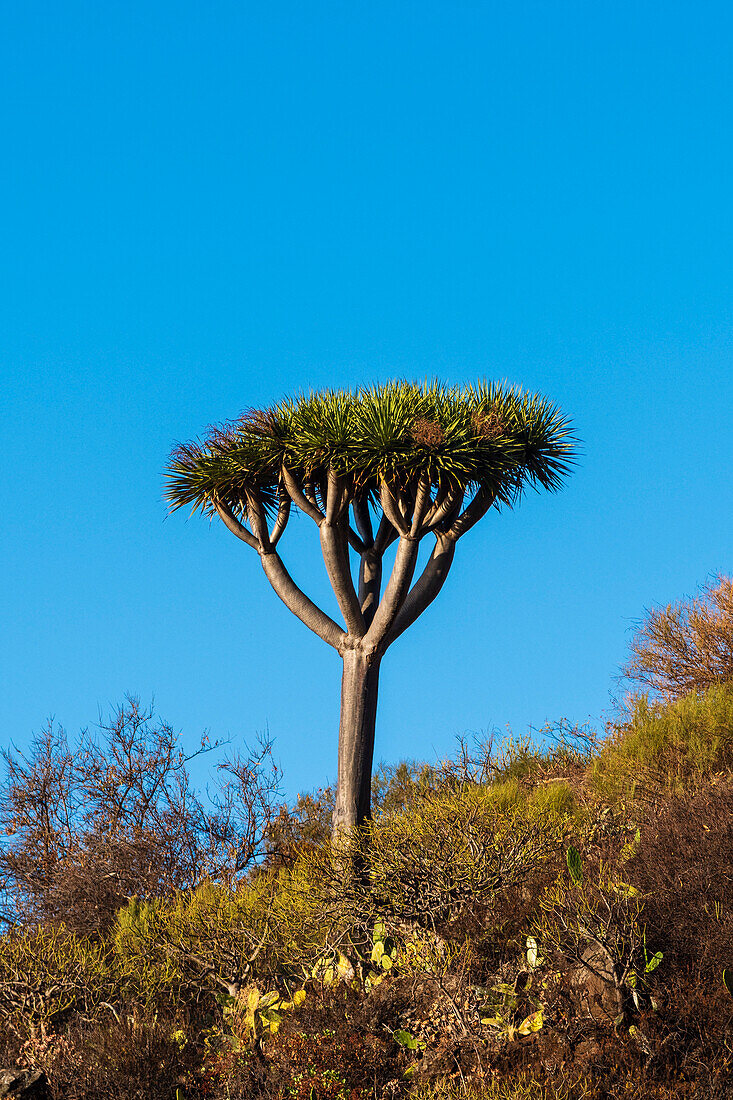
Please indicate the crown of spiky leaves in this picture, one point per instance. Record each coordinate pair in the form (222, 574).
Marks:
(479, 436)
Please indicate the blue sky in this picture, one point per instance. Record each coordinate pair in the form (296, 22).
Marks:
(208, 206)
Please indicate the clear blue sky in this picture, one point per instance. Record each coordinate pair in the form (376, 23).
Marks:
(207, 206)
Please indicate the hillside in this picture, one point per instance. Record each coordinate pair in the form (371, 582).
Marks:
(519, 922)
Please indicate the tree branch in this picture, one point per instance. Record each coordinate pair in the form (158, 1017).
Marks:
(475, 511)
(363, 521)
(300, 499)
(440, 496)
(283, 515)
(257, 518)
(297, 601)
(230, 520)
(441, 510)
(354, 541)
(309, 491)
(392, 510)
(336, 557)
(422, 502)
(336, 497)
(370, 583)
(426, 588)
(395, 592)
(385, 536)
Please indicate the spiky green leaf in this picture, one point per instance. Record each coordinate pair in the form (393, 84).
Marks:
(484, 435)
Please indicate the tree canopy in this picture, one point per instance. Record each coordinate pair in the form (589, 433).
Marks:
(385, 444)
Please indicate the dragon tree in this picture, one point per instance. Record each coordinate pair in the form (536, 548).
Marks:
(388, 464)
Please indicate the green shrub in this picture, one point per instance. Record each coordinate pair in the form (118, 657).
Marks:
(446, 851)
(48, 972)
(215, 937)
(667, 748)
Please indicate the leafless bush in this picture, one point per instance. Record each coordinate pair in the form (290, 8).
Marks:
(86, 824)
(687, 646)
(684, 867)
(305, 824)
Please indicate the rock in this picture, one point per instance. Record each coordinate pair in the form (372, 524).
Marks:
(23, 1084)
(594, 985)
(588, 1050)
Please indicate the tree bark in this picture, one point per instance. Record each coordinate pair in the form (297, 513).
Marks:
(359, 686)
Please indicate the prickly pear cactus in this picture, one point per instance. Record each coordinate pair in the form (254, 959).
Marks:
(575, 865)
(384, 951)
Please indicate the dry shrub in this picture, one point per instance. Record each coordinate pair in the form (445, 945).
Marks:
(304, 825)
(86, 823)
(131, 1058)
(687, 646)
(684, 867)
(330, 1058)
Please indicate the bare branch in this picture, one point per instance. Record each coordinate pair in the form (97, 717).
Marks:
(283, 515)
(309, 491)
(306, 503)
(354, 541)
(84, 825)
(237, 528)
(426, 588)
(363, 521)
(395, 592)
(370, 583)
(300, 604)
(336, 557)
(386, 534)
(440, 496)
(336, 496)
(257, 518)
(475, 511)
(441, 511)
(392, 511)
(422, 502)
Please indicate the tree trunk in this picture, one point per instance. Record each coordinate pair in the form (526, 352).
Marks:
(359, 685)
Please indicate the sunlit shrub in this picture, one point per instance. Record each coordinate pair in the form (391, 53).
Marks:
(48, 972)
(631, 1084)
(684, 867)
(665, 749)
(443, 853)
(416, 926)
(215, 938)
(687, 646)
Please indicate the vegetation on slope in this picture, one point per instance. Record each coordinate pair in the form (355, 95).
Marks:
(527, 921)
